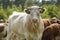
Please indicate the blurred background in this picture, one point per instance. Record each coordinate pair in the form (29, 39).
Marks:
(8, 6)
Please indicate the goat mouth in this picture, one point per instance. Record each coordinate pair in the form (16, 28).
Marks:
(35, 24)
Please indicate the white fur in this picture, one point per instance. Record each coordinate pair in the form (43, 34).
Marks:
(18, 25)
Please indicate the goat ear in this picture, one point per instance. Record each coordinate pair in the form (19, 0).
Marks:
(27, 11)
(41, 9)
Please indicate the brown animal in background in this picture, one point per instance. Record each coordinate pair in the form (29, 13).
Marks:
(48, 22)
(51, 32)
(3, 29)
(2, 21)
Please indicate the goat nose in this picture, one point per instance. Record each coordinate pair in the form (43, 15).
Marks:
(34, 20)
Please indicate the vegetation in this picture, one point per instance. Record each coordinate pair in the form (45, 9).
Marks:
(4, 13)
(7, 7)
(51, 11)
